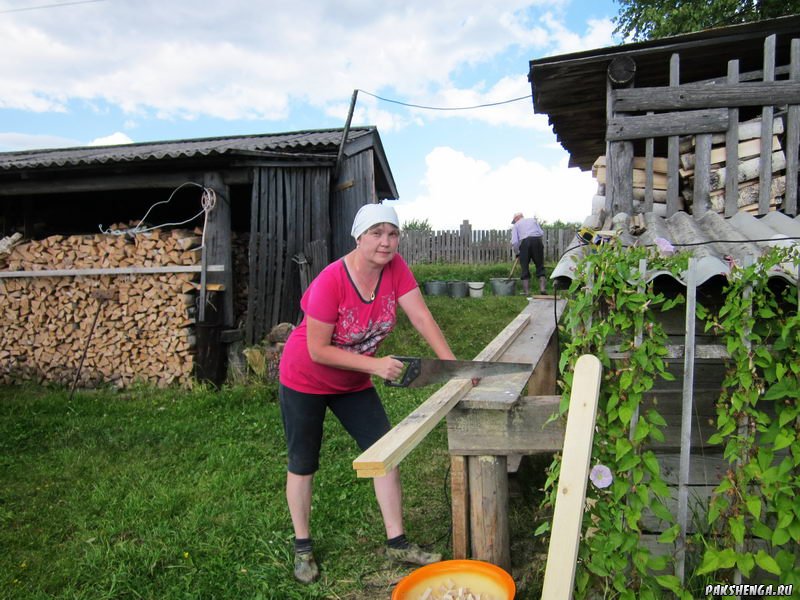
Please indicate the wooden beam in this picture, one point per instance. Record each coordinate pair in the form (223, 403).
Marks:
(459, 499)
(792, 137)
(686, 420)
(108, 271)
(765, 174)
(488, 513)
(673, 145)
(392, 448)
(732, 147)
(667, 124)
(562, 555)
(720, 96)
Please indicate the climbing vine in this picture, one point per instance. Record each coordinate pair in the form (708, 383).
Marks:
(613, 313)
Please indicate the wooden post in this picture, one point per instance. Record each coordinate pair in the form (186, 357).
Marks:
(686, 418)
(459, 494)
(622, 178)
(648, 185)
(218, 247)
(765, 175)
(611, 200)
(702, 169)
(637, 341)
(562, 555)
(792, 136)
(673, 146)
(489, 529)
(732, 149)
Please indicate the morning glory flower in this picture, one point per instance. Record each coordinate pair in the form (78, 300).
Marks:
(600, 476)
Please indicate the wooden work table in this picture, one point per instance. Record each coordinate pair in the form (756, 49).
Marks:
(492, 426)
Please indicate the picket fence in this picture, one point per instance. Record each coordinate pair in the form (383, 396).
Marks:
(476, 246)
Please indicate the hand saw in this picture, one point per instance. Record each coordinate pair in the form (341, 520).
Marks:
(425, 371)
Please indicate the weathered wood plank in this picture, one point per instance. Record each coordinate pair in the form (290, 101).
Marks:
(723, 96)
(218, 240)
(765, 172)
(459, 500)
(673, 146)
(667, 124)
(792, 136)
(701, 175)
(110, 271)
(490, 536)
(562, 554)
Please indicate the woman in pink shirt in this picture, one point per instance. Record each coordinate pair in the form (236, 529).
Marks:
(328, 362)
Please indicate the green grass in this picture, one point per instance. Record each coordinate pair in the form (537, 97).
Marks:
(172, 494)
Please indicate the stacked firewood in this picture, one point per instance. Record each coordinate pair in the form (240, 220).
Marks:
(639, 176)
(131, 327)
(748, 168)
(240, 247)
(6, 244)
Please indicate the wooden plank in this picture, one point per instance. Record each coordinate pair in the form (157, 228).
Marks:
(673, 146)
(686, 419)
(459, 500)
(724, 96)
(765, 174)
(667, 124)
(792, 137)
(499, 393)
(488, 513)
(622, 157)
(649, 168)
(562, 555)
(109, 271)
(252, 259)
(218, 239)
(395, 445)
(701, 175)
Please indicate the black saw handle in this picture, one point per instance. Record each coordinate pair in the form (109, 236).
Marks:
(410, 374)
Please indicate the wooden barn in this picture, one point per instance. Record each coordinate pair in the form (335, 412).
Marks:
(269, 209)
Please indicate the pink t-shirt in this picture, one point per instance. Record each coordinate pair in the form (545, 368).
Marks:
(360, 325)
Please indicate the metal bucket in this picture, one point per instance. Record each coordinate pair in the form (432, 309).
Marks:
(503, 286)
(436, 288)
(457, 289)
(476, 289)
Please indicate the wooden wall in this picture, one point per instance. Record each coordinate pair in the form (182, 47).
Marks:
(354, 189)
(289, 209)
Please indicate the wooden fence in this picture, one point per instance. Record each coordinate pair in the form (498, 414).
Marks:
(468, 246)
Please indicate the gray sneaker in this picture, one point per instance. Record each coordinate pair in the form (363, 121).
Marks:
(413, 554)
(305, 567)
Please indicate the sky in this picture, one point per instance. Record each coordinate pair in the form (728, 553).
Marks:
(97, 72)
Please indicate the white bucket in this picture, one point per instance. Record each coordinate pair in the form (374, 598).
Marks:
(476, 289)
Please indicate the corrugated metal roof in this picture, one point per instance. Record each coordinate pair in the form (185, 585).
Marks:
(716, 242)
(315, 141)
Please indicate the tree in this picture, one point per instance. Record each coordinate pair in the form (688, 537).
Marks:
(649, 19)
(417, 225)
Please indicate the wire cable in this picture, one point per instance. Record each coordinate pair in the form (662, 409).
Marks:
(423, 107)
(43, 6)
(208, 201)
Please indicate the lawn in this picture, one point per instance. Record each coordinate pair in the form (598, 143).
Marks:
(165, 494)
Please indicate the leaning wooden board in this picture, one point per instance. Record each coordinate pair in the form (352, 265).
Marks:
(387, 452)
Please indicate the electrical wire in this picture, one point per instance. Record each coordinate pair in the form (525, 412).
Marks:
(208, 201)
(423, 107)
(43, 6)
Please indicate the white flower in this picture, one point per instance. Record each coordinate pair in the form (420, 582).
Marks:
(600, 476)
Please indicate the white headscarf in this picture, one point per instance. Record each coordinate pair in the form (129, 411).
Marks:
(372, 214)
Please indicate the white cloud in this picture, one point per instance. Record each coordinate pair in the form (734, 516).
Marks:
(111, 140)
(24, 141)
(459, 187)
(243, 60)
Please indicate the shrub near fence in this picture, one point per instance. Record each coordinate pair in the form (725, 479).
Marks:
(478, 246)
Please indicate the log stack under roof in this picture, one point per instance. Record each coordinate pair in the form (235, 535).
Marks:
(131, 327)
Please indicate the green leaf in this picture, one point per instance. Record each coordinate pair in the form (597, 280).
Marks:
(656, 419)
(543, 528)
(710, 562)
(736, 525)
(651, 463)
(766, 562)
(669, 582)
(783, 440)
(622, 446)
(754, 506)
(658, 509)
(745, 563)
(780, 537)
(760, 530)
(669, 535)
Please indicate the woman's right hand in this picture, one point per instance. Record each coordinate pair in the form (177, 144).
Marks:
(388, 367)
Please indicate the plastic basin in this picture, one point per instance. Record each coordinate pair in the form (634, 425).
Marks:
(477, 576)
